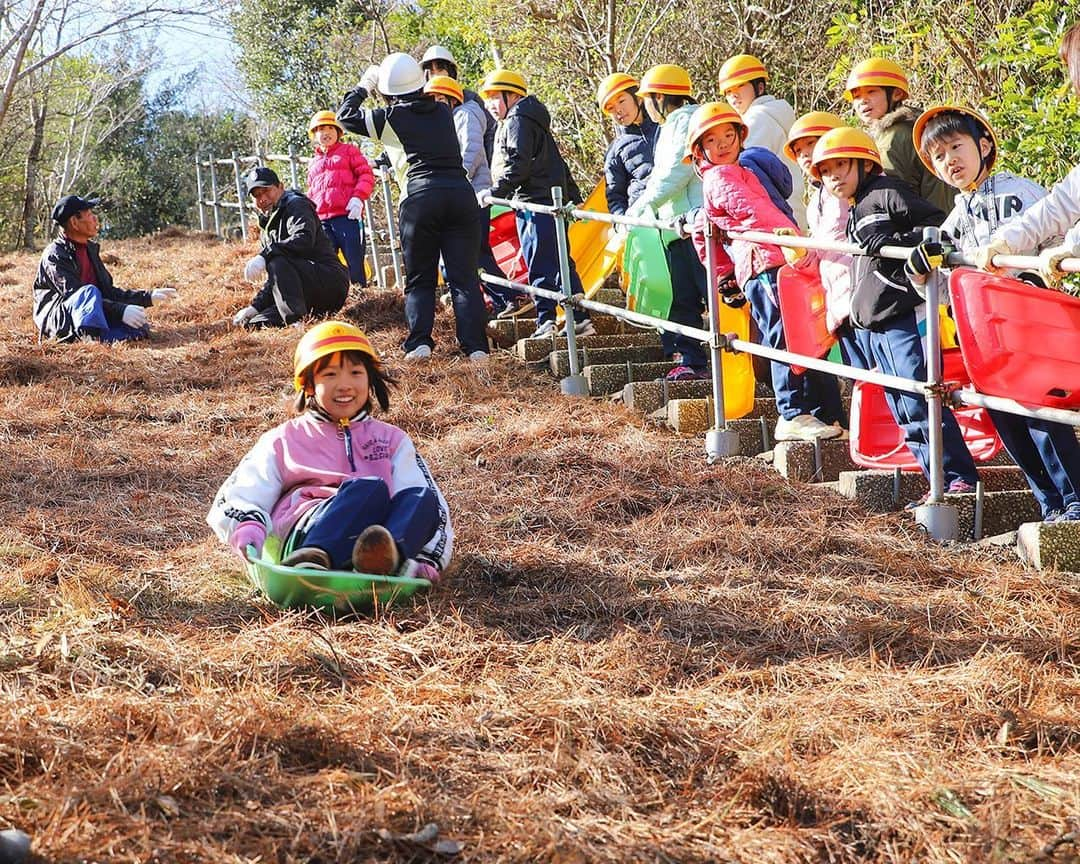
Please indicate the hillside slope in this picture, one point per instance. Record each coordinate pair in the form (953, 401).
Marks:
(638, 657)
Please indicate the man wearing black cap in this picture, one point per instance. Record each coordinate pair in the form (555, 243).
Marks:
(74, 295)
(297, 265)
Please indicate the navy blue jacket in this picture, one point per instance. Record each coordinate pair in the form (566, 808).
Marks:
(527, 161)
(628, 164)
(773, 174)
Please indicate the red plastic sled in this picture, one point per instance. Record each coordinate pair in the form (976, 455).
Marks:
(505, 247)
(877, 442)
(1019, 341)
(802, 310)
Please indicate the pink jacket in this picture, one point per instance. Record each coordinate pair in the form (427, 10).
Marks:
(337, 175)
(735, 200)
(302, 462)
(827, 216)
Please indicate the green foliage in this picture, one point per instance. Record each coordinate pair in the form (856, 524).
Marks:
(1033, 110)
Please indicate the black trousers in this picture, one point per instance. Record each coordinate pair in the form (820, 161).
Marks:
(300, 288)
(442, 221)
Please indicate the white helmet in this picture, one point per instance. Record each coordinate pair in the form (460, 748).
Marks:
(400, 74)
(438, 52)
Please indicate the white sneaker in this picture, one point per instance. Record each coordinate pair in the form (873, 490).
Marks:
(420, 352)
(478, 356)
(582, 327)
(543, 330)
(805, 427)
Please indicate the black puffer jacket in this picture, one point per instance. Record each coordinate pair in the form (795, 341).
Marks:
(527, 161)
(628, 164)
(885, 213)
(293, 229)
(58, 277)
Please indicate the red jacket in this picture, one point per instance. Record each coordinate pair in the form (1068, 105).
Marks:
(337, 175)
(735, 200)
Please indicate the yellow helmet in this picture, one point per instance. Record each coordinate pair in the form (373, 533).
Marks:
(612, 86)
(812, 125)
(976, 124)
(843, 143)
(444, 85)
(708, 116)
(324, 118)
(503, 80)
(665, 79)
(877, 72)
(327, 338)
(740, 69)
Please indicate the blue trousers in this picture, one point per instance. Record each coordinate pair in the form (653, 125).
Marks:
(899, 350)
(500, 295)
(1047, 453)
(411, 517)
(539, 247)
(688, 292)
(87, 310)
(347, 236)
(812, 392)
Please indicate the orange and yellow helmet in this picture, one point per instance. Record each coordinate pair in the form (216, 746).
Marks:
(877, 72)
(612, 86)
(708, 116)
(739, 70)
(843, 143)
(812, 125)
(328, 338)
(665, 80)
(444, 85)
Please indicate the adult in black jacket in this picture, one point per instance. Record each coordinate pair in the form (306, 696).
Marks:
(74, 294)
(527, 164)
(297, 264)
(438, 213)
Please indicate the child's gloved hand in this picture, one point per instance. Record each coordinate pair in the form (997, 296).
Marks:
(355, 209)
(984, 255)
(924, 260)
(731, 293)
(159, 295)
(135, 317)
(246, 534)
(791, 253)
(255, 269)
(1050, 263)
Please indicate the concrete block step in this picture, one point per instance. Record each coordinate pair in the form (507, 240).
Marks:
(1002, 511)
(1050, 547)
(610, 296)
(649, 396)
(881, 492)
(537, 350)
(559, 361)
(687, 414)
(812, 461)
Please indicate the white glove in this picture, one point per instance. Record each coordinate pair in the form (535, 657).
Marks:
(370, 79)
(255, 269)
(355, 209)
(984, 255)
(1050, 263)
(159, 295)
(135, 317)
(483, 197)
(244, 315)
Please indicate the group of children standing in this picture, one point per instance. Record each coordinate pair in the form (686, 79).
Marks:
(873, 186)
(342, 489)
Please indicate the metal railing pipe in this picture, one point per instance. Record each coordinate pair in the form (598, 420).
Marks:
(574, 384)
(719, 442)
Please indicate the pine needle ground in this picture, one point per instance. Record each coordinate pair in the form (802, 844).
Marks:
(637, 657)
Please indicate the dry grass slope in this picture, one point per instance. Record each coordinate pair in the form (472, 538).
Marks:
(638, 658)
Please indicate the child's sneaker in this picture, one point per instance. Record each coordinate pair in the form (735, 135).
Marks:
(804, 427)
(375, 552)
(307, 558)
(516, 307)
(582, 327)
(687, 373)
(1071, 513)
(544, 330)
(478, 356)
(960, 487)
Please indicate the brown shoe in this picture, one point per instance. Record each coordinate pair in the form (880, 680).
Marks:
(375, 552)
(307, 557)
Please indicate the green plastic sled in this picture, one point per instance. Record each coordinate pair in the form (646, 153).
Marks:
(648, 283)
(339, 591)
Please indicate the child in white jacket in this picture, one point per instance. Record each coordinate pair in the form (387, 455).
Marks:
(339, 488)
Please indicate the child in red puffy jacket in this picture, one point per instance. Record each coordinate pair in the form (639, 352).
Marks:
(735, 200)
(340, 180)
